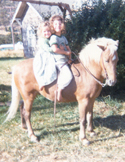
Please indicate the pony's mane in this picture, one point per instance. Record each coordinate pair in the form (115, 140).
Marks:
(92, 51)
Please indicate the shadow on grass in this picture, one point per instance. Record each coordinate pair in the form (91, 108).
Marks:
(4, 97)
(46, 104)
(56, 131)
(60, 125)
(116, 122)
(5, 88)
(108, 138)
(119, 95)
(11, 58)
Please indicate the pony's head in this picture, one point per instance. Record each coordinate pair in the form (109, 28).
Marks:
(109, 59)
(102, 51)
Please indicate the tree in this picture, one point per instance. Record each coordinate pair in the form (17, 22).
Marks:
(100, 20)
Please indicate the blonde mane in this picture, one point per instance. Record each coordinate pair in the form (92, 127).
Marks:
(92, 50)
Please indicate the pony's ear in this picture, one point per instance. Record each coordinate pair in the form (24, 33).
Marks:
(102, 46)
(117, 41)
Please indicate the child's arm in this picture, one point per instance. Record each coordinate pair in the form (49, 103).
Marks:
(68, 49)
(60, 51)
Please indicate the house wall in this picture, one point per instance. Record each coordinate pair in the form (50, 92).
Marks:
(30, 24)
(30, 21)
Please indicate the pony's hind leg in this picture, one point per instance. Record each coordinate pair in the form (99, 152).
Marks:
(22, 113)
(26, 107)
(27, 115)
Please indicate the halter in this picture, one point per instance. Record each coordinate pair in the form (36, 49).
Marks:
(102, 84)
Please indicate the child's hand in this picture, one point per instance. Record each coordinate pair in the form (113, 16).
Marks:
(68, 53)
(62, 47)
(69, 61)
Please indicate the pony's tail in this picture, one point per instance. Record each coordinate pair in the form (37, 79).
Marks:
(15, 100)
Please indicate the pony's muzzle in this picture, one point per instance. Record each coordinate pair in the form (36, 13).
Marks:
(111, 82)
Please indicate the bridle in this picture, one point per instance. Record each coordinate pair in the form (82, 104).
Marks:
(102, 84)
(104, 71)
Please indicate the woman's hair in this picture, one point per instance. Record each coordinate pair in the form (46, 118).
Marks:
(59, 18)
(41, 26)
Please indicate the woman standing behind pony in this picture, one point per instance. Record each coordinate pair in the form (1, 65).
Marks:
(44, 64)
(62, 53)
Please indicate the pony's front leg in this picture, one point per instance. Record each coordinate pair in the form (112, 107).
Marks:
(90, 120)
(27, 115)
(83, 105)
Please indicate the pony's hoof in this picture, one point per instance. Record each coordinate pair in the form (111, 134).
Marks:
(24, 126)
(85, 142)
(34, 138)
(93, 134)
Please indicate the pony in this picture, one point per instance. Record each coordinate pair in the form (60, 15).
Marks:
(97, 62)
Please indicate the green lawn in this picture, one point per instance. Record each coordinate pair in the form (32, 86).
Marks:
(59, 137)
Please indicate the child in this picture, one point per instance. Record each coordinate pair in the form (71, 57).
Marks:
(44, 33)
(44, 63)
(62, 53)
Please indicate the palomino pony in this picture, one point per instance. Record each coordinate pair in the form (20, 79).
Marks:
(98, 61)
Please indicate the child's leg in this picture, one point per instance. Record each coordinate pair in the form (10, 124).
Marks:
(64, 79)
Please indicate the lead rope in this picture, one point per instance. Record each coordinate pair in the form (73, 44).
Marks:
(102, 84)
(55, 103)
(55, 93)
(56, 97)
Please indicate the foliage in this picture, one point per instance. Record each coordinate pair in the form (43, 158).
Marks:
(101, 20)
(7, 9)
(7, 39)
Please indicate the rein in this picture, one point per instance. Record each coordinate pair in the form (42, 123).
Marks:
(102, 84)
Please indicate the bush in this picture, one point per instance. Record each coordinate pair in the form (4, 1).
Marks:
(101, 20)
(7, 39)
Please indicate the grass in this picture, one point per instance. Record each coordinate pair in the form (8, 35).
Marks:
(8, 59)
(59, 137)
(11, 54)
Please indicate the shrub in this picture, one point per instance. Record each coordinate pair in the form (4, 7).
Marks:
(101, 20)
(7, 39)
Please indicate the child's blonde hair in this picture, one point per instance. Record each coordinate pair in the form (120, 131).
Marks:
(41, 26)
(59, 18)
